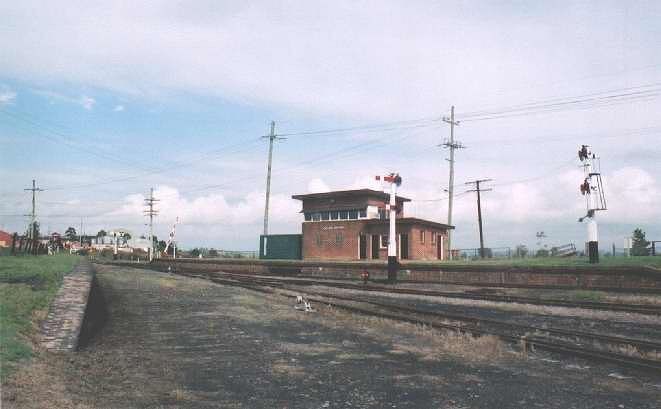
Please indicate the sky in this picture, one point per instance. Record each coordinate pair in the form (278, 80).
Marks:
(102, 100)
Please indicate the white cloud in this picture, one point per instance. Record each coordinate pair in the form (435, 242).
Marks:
(84, 101)
(87, 102)
(118, 108)
(7, 96)
(317, 185)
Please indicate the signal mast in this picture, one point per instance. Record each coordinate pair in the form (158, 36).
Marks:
(593, 190)
(394, 180)
(171, 240)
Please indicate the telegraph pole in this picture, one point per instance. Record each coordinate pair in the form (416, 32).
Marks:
(272, 137)
(479, 208)
(151, 212)
(452, 145)
(33, 216)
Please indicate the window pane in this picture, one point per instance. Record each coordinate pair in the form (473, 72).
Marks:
(344, 214)
(334, 215)
(308, 217)
(316, 217)
(363, 213)
(325, 215)
(338, 238)
(353, 214)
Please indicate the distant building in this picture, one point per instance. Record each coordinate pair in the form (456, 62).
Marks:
(5, 239)
(353, 225)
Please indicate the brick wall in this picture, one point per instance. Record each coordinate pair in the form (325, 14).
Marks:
(332, 240)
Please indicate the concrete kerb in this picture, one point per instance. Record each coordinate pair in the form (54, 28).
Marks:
(60, 331)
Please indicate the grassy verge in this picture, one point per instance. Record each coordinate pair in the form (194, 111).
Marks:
(27, 285)
(652, 261)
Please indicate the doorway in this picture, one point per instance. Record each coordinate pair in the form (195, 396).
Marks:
(375, 246)
(404, 246)
(363, 246)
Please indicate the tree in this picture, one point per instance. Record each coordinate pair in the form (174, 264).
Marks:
(639, 244)
(127, 237)
(542, 253)
(521, 251)
(70, 233)
(195, 252)
(101, 233)
(161, 245)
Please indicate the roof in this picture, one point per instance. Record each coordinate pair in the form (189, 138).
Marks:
(412, 220)
(356, 193)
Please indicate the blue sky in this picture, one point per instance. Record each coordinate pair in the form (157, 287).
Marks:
(112, 98)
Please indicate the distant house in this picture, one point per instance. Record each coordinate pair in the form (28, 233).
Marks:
(5, 239)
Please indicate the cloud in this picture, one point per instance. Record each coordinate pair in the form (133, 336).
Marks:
(86, 102)
(358, 59)
(7, 96)
(317, 185)
(118, 108)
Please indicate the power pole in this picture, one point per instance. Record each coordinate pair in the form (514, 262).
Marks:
(33, 216)
(81, 232)
(272, 137)
(479, 208)
(151, 212)
(452, 145)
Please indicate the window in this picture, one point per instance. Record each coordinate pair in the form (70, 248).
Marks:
(316, 217)
(363, 213)
(384, 241)
(422, 236)
(433, 237)
(344, 214)
(338, 238)
(334, 215)
(325, 215)
(382, 214)
(308, 217)
(353, 214)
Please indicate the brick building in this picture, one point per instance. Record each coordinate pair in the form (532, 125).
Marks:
(353, 225)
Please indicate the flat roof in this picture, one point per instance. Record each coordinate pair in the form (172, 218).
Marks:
(358, 192)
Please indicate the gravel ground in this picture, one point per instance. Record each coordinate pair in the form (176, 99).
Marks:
(177, 342)
(609, 323)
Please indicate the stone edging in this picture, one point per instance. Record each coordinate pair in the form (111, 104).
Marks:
(61, 329)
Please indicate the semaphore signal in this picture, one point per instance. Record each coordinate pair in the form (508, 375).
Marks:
(593, 190)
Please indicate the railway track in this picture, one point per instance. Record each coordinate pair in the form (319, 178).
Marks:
(605, 306)
(629, 352)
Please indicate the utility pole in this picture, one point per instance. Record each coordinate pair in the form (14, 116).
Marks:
(452, 145)
(272, 137)
(81, 233)
(479, 208)
(33, 216)
(151, 212)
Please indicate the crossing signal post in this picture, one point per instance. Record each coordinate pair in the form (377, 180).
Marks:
(394, 180)
(593, 191)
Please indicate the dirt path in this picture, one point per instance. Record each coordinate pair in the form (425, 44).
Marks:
(175, 342)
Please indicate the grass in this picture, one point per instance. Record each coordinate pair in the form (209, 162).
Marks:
(604, 261)
(27, 286)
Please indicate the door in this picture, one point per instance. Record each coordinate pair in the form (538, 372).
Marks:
(375, 246)
(363, 246)
(404, 246)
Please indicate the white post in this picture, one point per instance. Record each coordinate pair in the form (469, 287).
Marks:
(392, 246)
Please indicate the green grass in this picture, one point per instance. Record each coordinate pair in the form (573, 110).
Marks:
(27, 285)
(652, 261)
